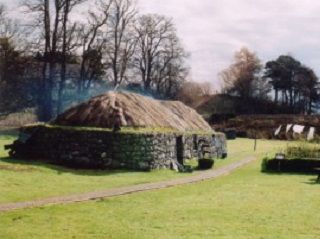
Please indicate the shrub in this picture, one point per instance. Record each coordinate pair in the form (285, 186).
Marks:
(18, 119)
(264, 165)
(303, 150)
(290, 165)
(205, 164)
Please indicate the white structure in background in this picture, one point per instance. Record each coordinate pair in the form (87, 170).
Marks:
(311, 133)
(277, 132)
(298, 129)
(289, 126)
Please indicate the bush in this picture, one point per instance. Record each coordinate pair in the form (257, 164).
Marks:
(18, 119)
(231, 134)
(264, 165)
(205, 164)
(290, 165)
(303, 150)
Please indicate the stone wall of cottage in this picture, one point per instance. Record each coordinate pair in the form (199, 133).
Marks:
(87, 148)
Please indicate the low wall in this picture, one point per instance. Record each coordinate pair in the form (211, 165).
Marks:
(291, 165)
(87, 148)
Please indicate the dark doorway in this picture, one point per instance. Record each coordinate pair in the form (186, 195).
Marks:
(180, 149)
(195, 142)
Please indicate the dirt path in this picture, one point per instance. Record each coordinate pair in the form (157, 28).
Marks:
(212, 174)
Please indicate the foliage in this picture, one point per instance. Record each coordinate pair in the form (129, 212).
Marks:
(18, 119)
(307, 166)
(193, 93)
(264, 164)
(303, 150)
(296, 83)
(300, 158)
(243, 79)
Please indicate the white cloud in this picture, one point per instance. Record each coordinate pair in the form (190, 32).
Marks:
(212, 30)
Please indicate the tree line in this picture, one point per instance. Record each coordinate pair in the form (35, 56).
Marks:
(63, 54)
(68, 50)
(283, 85)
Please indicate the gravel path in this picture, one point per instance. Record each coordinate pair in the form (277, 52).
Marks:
(206, 175)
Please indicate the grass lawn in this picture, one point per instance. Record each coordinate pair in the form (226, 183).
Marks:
(25, 180)
(22, 181)
(246, 204)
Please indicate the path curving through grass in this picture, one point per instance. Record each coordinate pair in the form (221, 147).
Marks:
(210, 174)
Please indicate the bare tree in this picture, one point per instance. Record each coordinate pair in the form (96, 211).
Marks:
(120, 47)
(4, 43)
(3, 40)
(159, 56)
(49, 39)
(9, 29)
(2, 10)
(14, 85)
(171, 70)
(153, 31)
(56, 33)
(93, 38)
(67, 35)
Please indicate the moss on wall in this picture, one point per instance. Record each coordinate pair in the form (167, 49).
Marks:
(101, 148)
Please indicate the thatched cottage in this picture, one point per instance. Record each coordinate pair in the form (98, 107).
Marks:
(121, 130)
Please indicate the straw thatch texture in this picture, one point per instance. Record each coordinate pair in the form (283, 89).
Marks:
(133, 110)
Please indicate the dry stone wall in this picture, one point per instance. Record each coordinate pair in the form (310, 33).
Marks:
(87, 148)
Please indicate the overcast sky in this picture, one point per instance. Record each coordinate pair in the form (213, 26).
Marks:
(212, 30)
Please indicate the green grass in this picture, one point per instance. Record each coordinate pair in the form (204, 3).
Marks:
(246, 204)
(242, 148)
(24, 180)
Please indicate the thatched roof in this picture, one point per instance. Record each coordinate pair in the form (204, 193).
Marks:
(134, 111)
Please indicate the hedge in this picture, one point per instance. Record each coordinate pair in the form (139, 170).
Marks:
(291, 165)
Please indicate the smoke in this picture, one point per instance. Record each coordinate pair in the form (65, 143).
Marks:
(72, 98)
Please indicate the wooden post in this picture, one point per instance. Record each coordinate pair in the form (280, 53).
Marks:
(255, 141)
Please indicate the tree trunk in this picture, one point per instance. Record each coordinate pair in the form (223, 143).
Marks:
(310, 106)
(291, 100)
(147, 84)
(45, 104)
(64, 58)
(276, 96)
